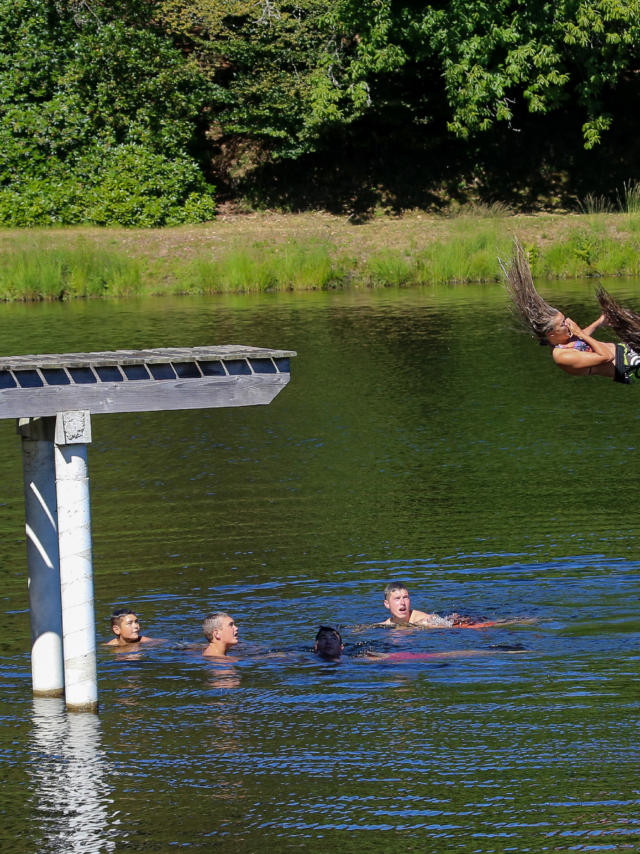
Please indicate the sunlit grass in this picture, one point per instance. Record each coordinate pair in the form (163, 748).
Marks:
(387, 268)
(257, 268)
(41, 273)
(308, 267)
(271, 252)
(469, 255)
(484, 210)
(592, 204)
(587, 253)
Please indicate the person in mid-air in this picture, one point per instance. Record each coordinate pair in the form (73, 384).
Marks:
(575, 350)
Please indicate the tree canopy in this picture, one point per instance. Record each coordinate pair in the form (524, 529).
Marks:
(98, 119)
(127, 111)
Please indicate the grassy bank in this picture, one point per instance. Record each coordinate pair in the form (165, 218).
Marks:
(267, 251)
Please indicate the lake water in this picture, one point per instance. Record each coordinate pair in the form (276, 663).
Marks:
(421, 438)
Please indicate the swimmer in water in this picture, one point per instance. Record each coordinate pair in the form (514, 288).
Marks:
(126, 628)
(575, 350)
(398, 602)
(221, 632)
(328, 644)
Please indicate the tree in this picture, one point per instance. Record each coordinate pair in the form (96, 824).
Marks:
(98, 120)
(500, 55)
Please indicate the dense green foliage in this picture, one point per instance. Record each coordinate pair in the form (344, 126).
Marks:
(289, 69)
(125, 111)
(545, 55)
(98, 118)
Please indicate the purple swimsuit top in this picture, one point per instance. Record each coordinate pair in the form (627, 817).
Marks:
(579, 344)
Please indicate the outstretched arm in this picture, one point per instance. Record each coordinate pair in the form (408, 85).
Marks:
(591, 328)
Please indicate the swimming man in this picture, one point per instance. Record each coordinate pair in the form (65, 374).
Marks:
(398, 602)
(328, 644)
(126, 628)
(221, 632)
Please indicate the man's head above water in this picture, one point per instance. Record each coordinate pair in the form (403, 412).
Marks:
(397, 601)
(328, 643)
(222, 633)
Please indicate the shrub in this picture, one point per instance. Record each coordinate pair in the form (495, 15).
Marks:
(99, 120)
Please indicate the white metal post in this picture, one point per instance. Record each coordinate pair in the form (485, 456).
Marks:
(47, 672)
(72, 433)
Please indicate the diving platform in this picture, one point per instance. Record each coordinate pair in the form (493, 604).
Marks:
(141, 380)
(53, 397)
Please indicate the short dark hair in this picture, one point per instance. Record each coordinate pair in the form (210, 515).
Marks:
(119, 613)
(328, 643)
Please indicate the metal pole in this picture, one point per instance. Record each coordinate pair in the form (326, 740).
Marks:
(72, 433)
(43, 562)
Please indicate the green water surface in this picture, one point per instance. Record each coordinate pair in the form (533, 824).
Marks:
(421, 437)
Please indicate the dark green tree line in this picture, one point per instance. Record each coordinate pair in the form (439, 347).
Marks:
(126, 111)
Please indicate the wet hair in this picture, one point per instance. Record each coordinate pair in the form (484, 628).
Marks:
(328, 643)
(531, 310)
(624, 322)
(119, 614)
(393, 587)
(212, 622)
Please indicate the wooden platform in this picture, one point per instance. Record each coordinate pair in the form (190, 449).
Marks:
(141, 380)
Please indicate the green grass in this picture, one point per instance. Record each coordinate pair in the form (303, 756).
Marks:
(388, 268)
(468, 255)
(273, 252)
(258, 268)
(595, 204)
(587, 253)
(630, 201)
(40, 273)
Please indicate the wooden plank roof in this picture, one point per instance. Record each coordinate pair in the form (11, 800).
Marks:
(141, 380)
(223, 352)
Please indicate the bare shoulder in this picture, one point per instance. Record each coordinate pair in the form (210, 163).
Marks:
(144, 639)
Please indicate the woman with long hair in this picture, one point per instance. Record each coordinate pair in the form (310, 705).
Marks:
(575, 350)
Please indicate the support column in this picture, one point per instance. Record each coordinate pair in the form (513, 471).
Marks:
(72, 434)
(43, 562)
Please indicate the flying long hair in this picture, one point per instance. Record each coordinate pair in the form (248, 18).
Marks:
(529, 307)
(624, 322)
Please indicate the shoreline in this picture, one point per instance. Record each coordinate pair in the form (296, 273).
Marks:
(267, 251)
